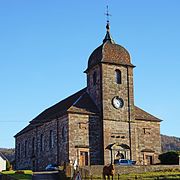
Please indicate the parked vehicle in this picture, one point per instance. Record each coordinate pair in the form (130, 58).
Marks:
(124, 162)
(51, 167)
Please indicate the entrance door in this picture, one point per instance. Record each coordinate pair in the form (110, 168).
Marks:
(83, 161)
(149, 160)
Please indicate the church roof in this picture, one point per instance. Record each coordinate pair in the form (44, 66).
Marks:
(143, 115)
(79, 102)
(109, 52)
(3, 156)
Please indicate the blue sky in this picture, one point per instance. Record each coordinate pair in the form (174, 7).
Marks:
(45, 45)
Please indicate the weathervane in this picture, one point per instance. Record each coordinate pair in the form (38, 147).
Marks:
(108, 36)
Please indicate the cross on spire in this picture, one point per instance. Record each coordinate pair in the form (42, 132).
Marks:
(107, 14)
(108, 36)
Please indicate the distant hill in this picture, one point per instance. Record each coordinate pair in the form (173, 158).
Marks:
(170, 143)
(9, 153)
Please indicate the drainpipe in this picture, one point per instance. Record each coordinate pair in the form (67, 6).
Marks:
(129, 114)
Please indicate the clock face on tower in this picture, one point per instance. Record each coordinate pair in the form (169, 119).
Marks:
(117, 102)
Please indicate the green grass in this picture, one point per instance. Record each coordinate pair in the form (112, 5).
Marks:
(20, 175)
(145, 176)
(152, 175)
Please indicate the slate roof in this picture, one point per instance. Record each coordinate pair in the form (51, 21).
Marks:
(143, 115)
(58, 109)
(3, 156)
(81, 103)
(109, 52)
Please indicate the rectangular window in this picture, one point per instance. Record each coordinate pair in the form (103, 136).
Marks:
(147, 130)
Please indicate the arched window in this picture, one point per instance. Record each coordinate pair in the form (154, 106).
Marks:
(42, 143)
(19, 151)
(25, 148)
(63, 133)
(33, 145)
(51, 139)
(118, 76)
(94, 78)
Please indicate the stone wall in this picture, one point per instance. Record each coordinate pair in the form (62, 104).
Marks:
(118, 132)
(45, 150)
(78, 135)
(148, 138)
(24, 160)
(111, 89)
(49, 145)
(63, 139)
(85, 134)
(94, 88)
(97, 170)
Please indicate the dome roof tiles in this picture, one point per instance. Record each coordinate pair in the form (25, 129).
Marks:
(111, 53)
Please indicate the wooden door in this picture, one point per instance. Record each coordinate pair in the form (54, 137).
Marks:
(83, 161)
(149, 160)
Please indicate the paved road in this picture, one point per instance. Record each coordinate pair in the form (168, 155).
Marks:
(45, 176)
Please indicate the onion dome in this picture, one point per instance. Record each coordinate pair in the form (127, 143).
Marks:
(109, 52)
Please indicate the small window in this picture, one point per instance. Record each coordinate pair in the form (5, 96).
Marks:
(82, 125)
(118, 76)
(94, 78)
(147, 130)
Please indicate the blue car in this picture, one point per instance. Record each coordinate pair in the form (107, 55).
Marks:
(124, 162)
(51, 167)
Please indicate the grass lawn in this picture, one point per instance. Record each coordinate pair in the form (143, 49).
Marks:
(20, 175)
(152, 175)
(145, 176)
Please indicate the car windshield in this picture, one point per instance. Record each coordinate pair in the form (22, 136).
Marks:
(124, 161)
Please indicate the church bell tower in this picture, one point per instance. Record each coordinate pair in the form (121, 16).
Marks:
(110, 85)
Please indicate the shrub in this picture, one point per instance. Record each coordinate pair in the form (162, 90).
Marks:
(169, 158)
(8, 165)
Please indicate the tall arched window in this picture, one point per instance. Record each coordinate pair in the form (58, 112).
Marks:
(51, 139)
(33, 145)
(94, 78)
(25, 148)
(19, 151)
(118, 76)
(63, 133)
(42, 143)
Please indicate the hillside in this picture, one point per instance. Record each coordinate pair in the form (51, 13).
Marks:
(169, 143)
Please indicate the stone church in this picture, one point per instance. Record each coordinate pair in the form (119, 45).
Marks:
(97, 124)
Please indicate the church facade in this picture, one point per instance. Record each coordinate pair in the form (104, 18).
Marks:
(96, 125)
